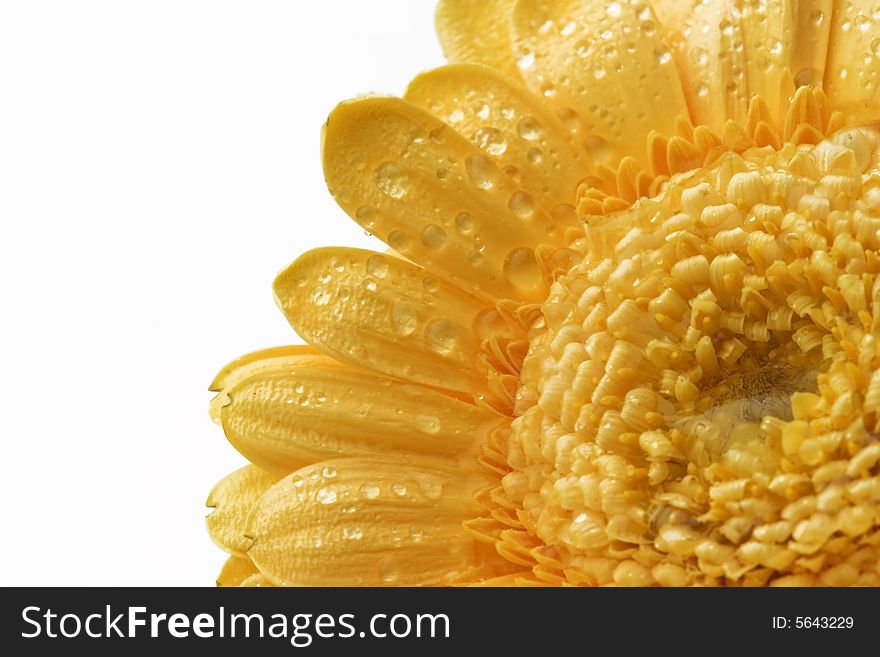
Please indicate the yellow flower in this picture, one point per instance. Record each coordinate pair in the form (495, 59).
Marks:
(628, 331)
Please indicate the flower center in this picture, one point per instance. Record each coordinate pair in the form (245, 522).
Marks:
(695, 393)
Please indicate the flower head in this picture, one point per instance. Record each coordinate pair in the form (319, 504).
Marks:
(626, 332)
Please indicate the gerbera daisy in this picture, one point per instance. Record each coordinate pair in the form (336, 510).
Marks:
(627, 332)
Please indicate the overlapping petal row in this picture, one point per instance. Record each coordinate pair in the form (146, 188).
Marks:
(625, 332)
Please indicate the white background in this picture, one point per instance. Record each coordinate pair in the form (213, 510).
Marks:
(159, 163)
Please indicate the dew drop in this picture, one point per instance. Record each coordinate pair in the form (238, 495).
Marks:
(817, 17)
(433, 237)
(317, 541)
(377, 266)
(404, 317)
(583, 49)
(398, 489)
(598, 148)
(441, 335)
(366, 216)
(521, 204)
(464, 223)
(328, 472)
(491, 141)
(474, 257)
(662, 55)
(430, 284)
(699, 56)
(432, 490)
(320, 296)
(352, 533)
(416, 534)
(391, 180)
(370, 491)
(326, 496)
(398, 240)
(521, 269)
(535, 155)
(568, 28)
(614, 10)
(389, 571)
(358, 160)
(481, 170)
(526, 61)
(599, 73)
(428, 423)
(529, 129)
(298, 388)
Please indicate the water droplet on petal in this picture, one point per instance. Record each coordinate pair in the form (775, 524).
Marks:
(398, 240)
(320, 296)
(326, 495)
(391, 180)
(433, 237)
(522, 204)
(398, 489)
(492, 141)
(481, 171)
(389, 570)
(529, 129)
(428, 423)
(441, 335)
(352, 533)
(366, 216)
(464, 223)
(370, 491)
(328, 472)
(404, 317)
(521, 269)
(377, 266)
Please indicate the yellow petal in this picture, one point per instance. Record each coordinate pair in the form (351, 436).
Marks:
(414, 182)
(604, 60)
(264, 360)
(706, 41)
(851, 74)
(511, 125)
(283, 420)
(785, 44)
(381, 312)
(477, 31)
(366, 522)
(235, 571)
(232, 499)
(254, 362)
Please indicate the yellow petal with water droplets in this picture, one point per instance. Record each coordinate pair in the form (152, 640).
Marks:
(511, 125)
(251, 363)
(255, 362)
(785, 45)
(235, 571)
(232, 499)
(384, 313)
(605, 61)
(852, 74)
(706, 42)
(367, 522)
(477, 31)
(432, 196)
(283, 420)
